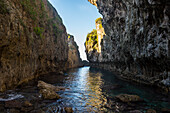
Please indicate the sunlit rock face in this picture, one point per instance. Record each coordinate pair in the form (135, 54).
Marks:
(94, 41)
(93, 2)
(33, 40)
(74, 59)
(138, 42)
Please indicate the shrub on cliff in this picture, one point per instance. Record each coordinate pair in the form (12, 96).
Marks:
(91, 40)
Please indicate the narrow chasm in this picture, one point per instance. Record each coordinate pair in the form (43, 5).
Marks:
(51, 63)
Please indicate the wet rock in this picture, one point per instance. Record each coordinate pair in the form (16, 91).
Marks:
(61, 73)
(37, 111)
(128, 98)
(68, 109)
(27, 104)
(151, 111)
(165, 110)
(49, 94)
(48, 91)
(13, 104)
(26, 109)
(14, 111)
(43, 85)
(135, 111)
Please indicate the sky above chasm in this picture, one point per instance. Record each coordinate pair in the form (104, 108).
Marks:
(79, 18)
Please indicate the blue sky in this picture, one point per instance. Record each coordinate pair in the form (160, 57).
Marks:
(79, 18)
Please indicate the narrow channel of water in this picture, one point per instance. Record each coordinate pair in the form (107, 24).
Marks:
(91, 90)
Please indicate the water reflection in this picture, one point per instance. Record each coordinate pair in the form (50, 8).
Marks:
(86, 88)
(92, 89)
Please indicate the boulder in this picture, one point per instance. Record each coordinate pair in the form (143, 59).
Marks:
(128, 98)
(43, 85)
(48, 91)
(49, 94)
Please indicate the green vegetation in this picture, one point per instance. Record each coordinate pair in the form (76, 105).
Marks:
(33, 10)
(29, 6)
(69, 36)
(99, 21)
(38, 31)
(92, 40)
(3, 9)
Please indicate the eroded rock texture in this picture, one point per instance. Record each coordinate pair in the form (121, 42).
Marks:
(74, 59)
(138, 42)
(33, 40)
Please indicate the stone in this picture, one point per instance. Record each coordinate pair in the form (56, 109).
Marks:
(37, 111)
(43, 85)
(151, 111)
(27, 104)
(13, 104)
(135, 111)
(128, 98)
(14, 111)
(68, 109)
(49, 94)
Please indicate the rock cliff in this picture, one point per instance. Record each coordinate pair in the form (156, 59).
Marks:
(33, 40)
(138, 40)
(74, 59)
(94, 41)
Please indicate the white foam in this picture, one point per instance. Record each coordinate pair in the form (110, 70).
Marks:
(12, 97)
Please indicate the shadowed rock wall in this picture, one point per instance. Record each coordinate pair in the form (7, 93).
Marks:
(33, 40)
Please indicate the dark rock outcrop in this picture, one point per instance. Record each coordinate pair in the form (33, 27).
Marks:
(74, 59)
(33, 40)
(138, 40)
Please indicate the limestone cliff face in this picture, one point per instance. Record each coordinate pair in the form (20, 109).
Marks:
(33, 40)
(74, 59)
(93, 43)
(138, 42)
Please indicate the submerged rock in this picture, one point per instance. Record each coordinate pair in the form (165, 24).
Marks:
(68, 109)
(128, 98)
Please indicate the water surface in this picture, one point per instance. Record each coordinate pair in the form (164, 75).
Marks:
(94, 90)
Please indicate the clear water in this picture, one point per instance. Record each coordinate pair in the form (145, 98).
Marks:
(90, 90)
(93, 90)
